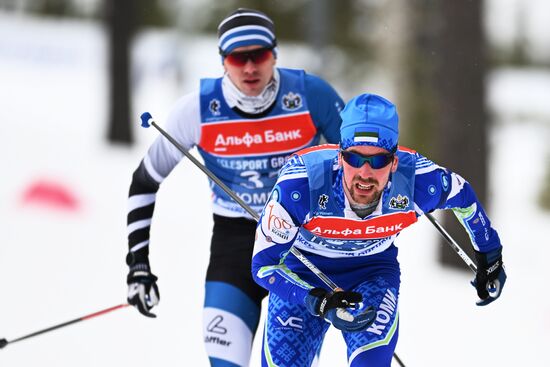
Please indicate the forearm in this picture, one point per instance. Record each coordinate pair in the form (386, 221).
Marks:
(472, 216)
(277, 229)
(141, 205)
(157, 164)
(274, 238)
(280, 280)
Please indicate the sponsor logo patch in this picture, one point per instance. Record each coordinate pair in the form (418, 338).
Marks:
(281, 134)
(292, 101)
(344, 228)
(291, 322)
(323, 200)
(277, 224)
(214, 326)
(384, 314)
(399, 202)
(214, 106)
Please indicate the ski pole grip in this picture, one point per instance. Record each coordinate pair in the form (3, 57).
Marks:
(146, 119)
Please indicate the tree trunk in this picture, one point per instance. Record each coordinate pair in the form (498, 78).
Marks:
(120, 16)
(460, 112)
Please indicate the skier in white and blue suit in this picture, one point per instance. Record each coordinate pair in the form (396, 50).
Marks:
(343, 207)
(245, 125)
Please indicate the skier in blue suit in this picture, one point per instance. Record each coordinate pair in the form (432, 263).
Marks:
(343, 207)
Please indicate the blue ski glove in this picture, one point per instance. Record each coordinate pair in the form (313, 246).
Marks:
(490, 277)
(143, 292)
(332, 306)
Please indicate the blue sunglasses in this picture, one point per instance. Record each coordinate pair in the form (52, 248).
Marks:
(358, 160)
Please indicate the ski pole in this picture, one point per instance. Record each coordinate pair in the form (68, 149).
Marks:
(4, 342)
(147, 121)
(463, 255)
(491, 287)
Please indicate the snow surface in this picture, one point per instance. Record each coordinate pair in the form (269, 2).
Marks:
(60, 262)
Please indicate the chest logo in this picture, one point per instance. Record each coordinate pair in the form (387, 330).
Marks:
(292, 101)
(214, 107)
(399, 202)
(323, 200)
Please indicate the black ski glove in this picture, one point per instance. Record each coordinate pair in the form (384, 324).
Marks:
(332, 306)
(490, 277)
(143, 292)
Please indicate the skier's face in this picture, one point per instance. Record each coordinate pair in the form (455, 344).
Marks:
(364, 184)
(250, 69)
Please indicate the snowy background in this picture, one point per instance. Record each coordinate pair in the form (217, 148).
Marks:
(63, 209)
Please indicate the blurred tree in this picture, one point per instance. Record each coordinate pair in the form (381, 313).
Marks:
(121, 23)
(53, 7)
(460, 111)
(152, 13)
(418, 93)
(123, 17)
(319, 25)
(445, 98)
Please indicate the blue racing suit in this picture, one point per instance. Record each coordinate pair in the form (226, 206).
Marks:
(308, 209)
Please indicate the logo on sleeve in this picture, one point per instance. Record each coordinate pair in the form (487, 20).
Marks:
(444, 181)
(295, 196)
(277, 224)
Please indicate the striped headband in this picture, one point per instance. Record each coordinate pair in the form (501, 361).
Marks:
(245, 27)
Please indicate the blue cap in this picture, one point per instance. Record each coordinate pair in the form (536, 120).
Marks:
(369, 119)
(245, 27)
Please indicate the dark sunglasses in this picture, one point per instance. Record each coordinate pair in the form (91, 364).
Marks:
(257, 56)
(358, 160)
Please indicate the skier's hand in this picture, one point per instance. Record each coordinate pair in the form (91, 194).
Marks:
(333, 307)
(143, 292)
(490, 277)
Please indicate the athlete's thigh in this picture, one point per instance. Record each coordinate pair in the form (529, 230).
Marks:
(292, 336)
(375, 346)
(230, 256)
(230, 319)
(232, 301)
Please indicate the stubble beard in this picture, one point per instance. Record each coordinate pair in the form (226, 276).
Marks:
(361, 201)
